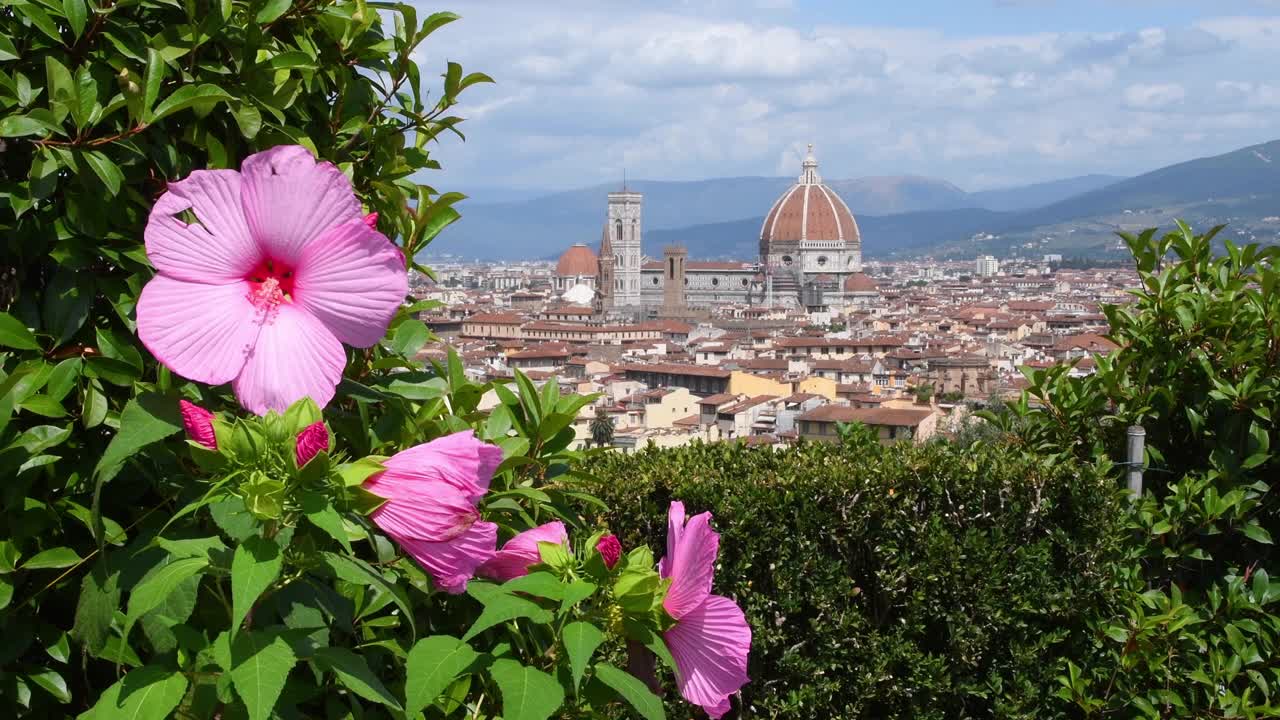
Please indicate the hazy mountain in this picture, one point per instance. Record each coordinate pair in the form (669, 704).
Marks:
(882, 235)
(902, 215)
(1240, 188)
(530, 227)
(1027, 197)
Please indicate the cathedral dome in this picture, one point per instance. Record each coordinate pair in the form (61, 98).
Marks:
(808, 210)
(860, 283)
(577, 260)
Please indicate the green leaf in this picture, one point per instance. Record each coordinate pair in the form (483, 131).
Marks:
(146, 419)
(320, 512)
(7, 50)
(52, 683)
(66, 305)
(187, 96)
(256, 565)
(249, 119)
(539, 584)
(157, 586)
(632, 690)
(527, 694)
(77, 15)
(502, 608)
(59, 557)
(99, 597)
(409, 337)
(580, 641)
(358, 571)
(43, 405)
(154, 76)
(106, 170)
(1256, 532)
(15, 335)
(260, 665)
(147, 693)
(433, 664)
(354, 673)
(271, 10)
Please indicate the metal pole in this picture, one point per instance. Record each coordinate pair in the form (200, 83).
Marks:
(1137, 438)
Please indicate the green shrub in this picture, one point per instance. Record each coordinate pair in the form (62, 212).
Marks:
(1193, 628)
(905, 582)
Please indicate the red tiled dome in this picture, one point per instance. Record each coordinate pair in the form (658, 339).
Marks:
(859, 282)
(809, 210)
(577, 260)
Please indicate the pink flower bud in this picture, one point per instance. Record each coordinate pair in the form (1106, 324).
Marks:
(199, 424)
(610, 549)
(312, 439)
(371, 220)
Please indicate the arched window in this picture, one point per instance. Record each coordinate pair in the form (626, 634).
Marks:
(671, 269)
(617, 226)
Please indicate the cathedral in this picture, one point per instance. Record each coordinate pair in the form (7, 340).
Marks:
(810, 256)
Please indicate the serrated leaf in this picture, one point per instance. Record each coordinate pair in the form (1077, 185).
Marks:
(527, 694)
(580, 641)
(157, 586)
(632, 690)
(255, 566)
(320, 512)
(99, 597)
(433, 664)
(354, 673)
(260, 665)
(502, 608)
(146, 419)
(147, 693)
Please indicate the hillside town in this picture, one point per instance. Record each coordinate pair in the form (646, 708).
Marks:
(768, 352)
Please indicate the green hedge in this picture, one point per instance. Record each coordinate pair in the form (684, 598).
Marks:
(913, 582)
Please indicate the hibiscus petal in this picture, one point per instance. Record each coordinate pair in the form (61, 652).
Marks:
(675, 524)
(353, 279)
(692, 566)
(295, 357)
(459, 460)
(451, 564)
(216, 250)
(290, 200)
(710, 647)
(521, 551)
(201, 332)
(438, 514)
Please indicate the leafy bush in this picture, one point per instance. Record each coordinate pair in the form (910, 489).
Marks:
(1192, 627)
(251, 571)
(904, 582)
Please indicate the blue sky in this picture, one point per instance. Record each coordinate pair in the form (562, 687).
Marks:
(984, 93)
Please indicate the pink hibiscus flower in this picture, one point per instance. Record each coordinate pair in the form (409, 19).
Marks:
(521, 551)
(431, 491)
(311, 440)
(198, 423)
(711, 638)
(278, 271)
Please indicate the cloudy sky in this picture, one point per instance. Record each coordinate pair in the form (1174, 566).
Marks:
(984, 93)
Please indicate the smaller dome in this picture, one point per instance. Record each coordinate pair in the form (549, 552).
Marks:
(859, 282)
(579, 294)
(577, 260)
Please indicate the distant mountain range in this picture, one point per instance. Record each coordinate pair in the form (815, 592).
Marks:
(899, 216)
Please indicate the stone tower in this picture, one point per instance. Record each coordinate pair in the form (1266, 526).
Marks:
(674, 258)
(605, 282)
(623, 229)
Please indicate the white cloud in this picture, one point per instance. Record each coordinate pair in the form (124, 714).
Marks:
(705, 88)
(1144, 96)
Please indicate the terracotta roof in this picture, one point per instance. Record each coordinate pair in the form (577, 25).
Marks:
(747, 404)
(808, 211)
(577, 260)
(718, 399)
(897, 417)
(859, 282)
(495, 319)
(674, 369)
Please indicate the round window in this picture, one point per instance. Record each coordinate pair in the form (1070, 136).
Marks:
(655, 281)
(822, 259)
(715, 282)
(745, 282)
(786, 259)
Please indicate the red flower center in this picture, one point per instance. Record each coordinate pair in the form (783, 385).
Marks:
(270, 284)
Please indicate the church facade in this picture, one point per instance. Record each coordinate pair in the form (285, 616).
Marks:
(810, 256)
